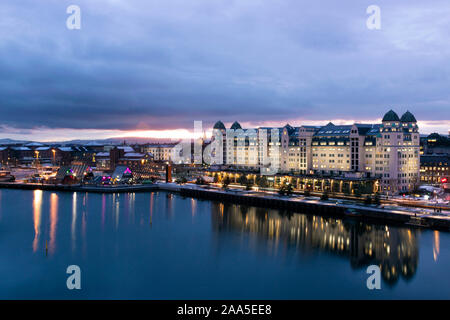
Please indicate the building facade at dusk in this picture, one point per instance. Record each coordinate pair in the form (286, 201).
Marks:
(160, 152)
(435, 169)
(388, 151)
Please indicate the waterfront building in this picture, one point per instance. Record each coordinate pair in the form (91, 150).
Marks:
(135, 158)
(387, 151)
(435, 144)
(103, 161)
(5, 156)
(296, 154)
(218, 144)
(348, 185)
(254, 148)
(434, 169)
(71, 174)
(160, 152)
(22, 155)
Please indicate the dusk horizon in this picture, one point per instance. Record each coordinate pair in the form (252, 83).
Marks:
(47, 135)
(144, 66)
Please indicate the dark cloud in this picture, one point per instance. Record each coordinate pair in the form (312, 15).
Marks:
(163, 64)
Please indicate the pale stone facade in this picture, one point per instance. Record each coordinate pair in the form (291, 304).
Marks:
(389, 151)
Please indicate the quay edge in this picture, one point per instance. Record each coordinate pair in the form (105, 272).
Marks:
(332, 208)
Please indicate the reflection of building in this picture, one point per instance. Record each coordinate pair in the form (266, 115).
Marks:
(395, 250)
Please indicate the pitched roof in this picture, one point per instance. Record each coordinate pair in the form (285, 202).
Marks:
(33, 144)
(102, 154)
(126, 148)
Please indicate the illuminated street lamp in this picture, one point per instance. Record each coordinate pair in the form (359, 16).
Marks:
(37, 157)
(54, 156)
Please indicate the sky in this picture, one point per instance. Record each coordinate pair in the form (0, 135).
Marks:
(151, 68)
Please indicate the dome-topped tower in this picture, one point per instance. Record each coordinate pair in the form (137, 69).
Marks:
(219, 125)
(391, 116)
(409, 122)
(236, 126)
(408, 117)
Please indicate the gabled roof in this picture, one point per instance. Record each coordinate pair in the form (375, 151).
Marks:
(126, 148)
(21, 148)
(133, 155)
(291, 130)
(33, 144)
(120, 171)
(102, 154)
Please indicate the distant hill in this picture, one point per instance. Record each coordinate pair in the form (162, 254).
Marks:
(128, 140)
(11, 141)
(111, 141)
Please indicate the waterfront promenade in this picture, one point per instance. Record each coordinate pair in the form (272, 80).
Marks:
(386, 212)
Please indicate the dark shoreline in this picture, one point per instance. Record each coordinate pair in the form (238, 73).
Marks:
(78, 188)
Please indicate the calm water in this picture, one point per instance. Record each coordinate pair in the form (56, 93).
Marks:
(163, 246)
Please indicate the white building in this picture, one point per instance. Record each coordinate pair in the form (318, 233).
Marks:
(160, 152)
(388, 151)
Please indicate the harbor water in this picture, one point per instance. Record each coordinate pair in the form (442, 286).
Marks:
(159, 245)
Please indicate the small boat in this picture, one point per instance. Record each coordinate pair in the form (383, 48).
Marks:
(417, 222)
(351, 212)
(5, 176)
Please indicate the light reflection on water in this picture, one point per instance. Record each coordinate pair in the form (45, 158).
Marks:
(395, 250)
(37, 207)
(74, 222)
(436, 246)
(53, 221)
(223, 246)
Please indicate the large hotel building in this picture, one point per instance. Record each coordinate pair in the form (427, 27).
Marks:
(388, 151)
